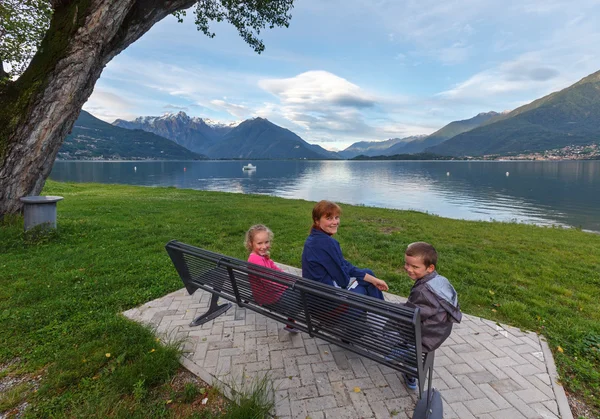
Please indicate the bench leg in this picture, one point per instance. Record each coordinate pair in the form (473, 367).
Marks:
(214, 311)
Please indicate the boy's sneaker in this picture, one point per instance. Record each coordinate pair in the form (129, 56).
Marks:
(411, 382)
(291, 329)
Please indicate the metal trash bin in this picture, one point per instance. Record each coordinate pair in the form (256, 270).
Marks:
(40, 210)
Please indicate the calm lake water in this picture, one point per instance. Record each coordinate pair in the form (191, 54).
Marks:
(547, 193)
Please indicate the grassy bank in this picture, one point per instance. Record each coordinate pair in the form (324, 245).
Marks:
(60, 296)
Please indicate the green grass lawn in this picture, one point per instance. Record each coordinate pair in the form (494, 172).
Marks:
(61, 295)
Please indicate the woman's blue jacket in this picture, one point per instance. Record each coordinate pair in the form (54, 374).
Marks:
(322, 260)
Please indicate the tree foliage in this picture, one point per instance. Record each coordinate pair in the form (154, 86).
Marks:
(248, 17)
(22, 26)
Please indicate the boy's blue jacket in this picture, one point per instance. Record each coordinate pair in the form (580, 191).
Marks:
(322, 260)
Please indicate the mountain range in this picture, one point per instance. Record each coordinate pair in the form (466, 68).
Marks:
(567, 117)
(195, 134)
(255, 138)
(92, 138)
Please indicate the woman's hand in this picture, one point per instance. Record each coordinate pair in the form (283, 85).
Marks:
(378, 283)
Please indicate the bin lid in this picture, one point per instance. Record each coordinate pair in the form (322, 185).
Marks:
(40, 199)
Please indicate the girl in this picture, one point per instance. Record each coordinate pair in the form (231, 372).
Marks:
(266, 293)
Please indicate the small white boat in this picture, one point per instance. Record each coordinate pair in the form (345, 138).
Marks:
(249, 166)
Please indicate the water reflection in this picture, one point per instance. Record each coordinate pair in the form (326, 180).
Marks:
(564, 193)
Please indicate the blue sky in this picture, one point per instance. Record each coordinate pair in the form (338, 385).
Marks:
(359, 70)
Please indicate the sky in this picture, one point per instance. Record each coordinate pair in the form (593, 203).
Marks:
(358, 70)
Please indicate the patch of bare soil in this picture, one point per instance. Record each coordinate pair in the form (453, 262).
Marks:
(207, 400)
(9, 381)
(390, 230)
(580, 409)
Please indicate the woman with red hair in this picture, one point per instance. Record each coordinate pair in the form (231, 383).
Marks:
(322, 258)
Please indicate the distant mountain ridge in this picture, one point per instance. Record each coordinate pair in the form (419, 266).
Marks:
(92, 138)
(259, 138)
(195, 134)
(416, 144)
(255, 138)
(369, 148)
(568, 117)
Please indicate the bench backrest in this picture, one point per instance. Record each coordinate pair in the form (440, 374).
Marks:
(362, 324)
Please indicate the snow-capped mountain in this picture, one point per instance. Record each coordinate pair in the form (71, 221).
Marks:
(196, 134)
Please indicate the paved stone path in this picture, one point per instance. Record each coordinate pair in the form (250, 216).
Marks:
(484, 370)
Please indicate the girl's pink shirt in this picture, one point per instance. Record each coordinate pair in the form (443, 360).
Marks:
(262, 261)
(263, 290)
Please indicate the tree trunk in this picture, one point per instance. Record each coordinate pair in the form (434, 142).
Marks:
(38, 110)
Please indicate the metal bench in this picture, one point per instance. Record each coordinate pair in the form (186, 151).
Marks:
(367, 326)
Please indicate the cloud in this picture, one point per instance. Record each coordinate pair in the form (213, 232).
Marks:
(176, 108)
(109, 106)
(327, 108)
(239, 111)
(317, 87)
(527, 73)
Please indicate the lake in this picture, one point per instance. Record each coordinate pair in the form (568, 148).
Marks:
(565, 193)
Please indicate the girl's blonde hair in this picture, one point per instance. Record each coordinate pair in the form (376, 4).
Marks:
(252, 232)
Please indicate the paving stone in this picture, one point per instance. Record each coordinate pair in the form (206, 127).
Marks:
(304, 392)
(287, 383)
(510, 413)
(358, 368)
(323, 384)
(361, 383)
(396, 385)
(400, 404)
(494, 396)
(298, 409)
(531, 395)
(505, 386)
(306, 374)
(341, 360)
(471, 387)
(456, 395)
(456, 369)
(541, 386)
(378, 394)
(341, 412)
(380, 410)
(521, 405)
(481, 377)
(543, 411)
(321, 403)
(291, 368)
(448, 378)
(282, 403)
(479, 406)
(552, 406)
(361, 404)
(324, 367)
(339, 375)
(461, 411)
(340, 392)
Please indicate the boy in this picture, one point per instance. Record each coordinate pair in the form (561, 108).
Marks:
(433, 294)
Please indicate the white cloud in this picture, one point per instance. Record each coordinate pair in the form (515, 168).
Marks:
(239, 111)
(330, 109)
(109, 106)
